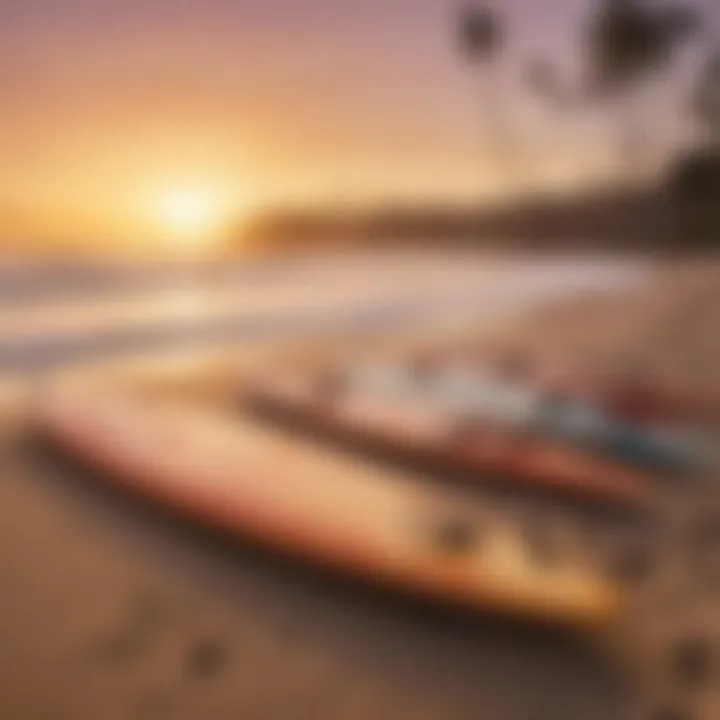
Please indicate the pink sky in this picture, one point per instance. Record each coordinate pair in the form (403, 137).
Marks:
(106, 104)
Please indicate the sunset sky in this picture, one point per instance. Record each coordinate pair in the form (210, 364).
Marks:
(142, 119)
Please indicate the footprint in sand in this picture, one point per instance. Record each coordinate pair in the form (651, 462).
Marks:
(137, 632)
(206, 658)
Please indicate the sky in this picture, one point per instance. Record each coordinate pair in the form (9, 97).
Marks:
(133, 121)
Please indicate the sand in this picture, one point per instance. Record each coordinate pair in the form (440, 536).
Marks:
(110, 610)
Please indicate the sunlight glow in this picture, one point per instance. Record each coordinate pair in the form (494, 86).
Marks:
(193, 217)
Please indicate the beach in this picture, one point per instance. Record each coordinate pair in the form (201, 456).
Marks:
(112, 610)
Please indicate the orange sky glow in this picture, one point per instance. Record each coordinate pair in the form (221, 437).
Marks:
(115, 112)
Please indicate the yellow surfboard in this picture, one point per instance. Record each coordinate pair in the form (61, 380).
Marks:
(299, 499)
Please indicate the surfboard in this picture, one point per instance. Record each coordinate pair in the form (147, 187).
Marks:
(485, 453)
(326, 509)
(519, 405)
(641, 397)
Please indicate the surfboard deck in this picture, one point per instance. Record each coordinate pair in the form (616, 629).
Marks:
(326, 509)
(641, 398)
(488, 455)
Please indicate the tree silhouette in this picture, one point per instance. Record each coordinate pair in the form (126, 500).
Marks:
(628, 43)
(628, 40)
(481, 38)
(707, 100)
(481, 33)
(625, 44)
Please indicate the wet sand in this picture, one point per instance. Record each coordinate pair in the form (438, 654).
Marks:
(110, 610)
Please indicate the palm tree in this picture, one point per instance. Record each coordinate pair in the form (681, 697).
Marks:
(707, 101)
(481, 37)
(481, 33)
(628, 42)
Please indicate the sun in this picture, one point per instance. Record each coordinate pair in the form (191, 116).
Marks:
(192, 217)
